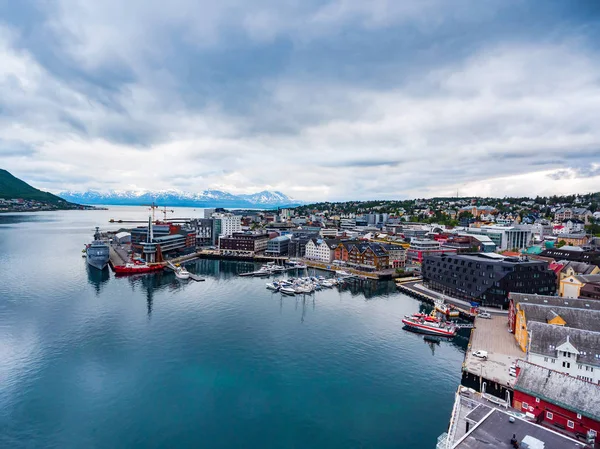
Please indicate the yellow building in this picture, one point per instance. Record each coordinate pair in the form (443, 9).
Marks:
(521, 334)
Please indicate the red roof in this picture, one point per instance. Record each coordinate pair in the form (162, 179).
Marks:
(556, 267)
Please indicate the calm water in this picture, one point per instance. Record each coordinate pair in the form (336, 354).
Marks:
(91, 361)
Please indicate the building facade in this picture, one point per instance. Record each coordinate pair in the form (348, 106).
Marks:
(420, 248)
(278, 246)
(244, 242)
(558, 400)
(320, 250)
(487, 278)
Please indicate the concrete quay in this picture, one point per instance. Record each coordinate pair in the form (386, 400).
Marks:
(491, 335)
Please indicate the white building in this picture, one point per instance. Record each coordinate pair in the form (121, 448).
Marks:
(229, 224)
(507, 237)
(568, 350)
(320, 250)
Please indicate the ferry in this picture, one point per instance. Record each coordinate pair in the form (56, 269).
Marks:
(431, 328)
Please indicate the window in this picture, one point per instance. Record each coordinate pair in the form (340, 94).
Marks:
(553, 360)
(578, 416)
(549, 416)
(579, 366)
(570, 424)
(546, 359)
(566, 365)
(537, 400)
(525, 405)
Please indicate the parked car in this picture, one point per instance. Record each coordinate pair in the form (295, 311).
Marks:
(486, 315)
(481, 354)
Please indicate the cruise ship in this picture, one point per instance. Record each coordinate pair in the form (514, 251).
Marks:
(97, 253)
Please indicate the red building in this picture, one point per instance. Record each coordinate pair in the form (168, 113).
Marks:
(557, 400)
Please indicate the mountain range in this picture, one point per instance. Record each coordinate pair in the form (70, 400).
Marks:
(207, 198)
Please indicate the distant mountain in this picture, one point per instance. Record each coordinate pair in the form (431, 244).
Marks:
(208, 198)
(12, 188)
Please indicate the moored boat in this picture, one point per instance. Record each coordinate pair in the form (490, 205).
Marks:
(182, 273)
(137, 268)
(97, 252)
(288, 291)
(273, 286)
(430, 328)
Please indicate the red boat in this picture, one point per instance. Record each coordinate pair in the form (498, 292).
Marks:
(137, 268)
(430, 328)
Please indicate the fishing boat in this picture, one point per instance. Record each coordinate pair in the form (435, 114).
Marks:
(432, 328)
(137, 268)
(446, 309)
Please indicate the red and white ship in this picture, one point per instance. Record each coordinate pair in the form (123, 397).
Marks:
(137, 268)
(418, 324)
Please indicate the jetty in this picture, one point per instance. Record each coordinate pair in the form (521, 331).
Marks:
(415, 288)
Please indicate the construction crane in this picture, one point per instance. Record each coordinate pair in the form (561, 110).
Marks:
(164, 211)
(152, 207)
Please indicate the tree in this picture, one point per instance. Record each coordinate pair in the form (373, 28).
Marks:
(560, 244)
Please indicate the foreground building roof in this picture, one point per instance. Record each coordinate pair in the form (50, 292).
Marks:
(561, 389)
(545, 338)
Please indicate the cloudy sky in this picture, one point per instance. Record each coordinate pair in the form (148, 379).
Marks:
(331, 99)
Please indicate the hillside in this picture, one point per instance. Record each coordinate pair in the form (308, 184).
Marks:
(12, 187)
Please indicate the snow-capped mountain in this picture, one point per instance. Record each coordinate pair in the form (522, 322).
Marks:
(208, 198)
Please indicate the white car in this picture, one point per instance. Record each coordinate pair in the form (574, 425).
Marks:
(484, 315)
(481, 354)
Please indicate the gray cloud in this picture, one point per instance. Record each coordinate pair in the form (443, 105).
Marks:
(318, 99)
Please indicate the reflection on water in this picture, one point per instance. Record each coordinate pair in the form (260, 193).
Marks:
(97, 277)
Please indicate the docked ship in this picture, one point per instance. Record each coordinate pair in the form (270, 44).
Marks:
(138, 268)
(419, 324)
(97, 253)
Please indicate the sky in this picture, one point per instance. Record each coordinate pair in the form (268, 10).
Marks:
(321, 100)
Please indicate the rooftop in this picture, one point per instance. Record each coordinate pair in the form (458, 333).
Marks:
(545, 338)
(575, 303)
(495, 431)
(561, 389)
(577, 318)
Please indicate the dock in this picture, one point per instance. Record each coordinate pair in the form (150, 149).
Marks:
(417, 290)
(491, 335)
(169, 266)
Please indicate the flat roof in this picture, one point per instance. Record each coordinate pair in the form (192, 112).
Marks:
(495, 431)
(166, 238)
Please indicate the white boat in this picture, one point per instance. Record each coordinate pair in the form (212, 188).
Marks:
(277, 269)
(344, 274)
(288, 290)
(327, 284)
(273, 286)
(182, 273)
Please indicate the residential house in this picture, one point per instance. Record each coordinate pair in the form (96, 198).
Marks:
(572, 286)
(567, 213)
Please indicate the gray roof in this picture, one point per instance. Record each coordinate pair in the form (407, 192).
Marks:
(588, 278)
(574, 210)
(545, 300)
(545, 338)
(576, 318)
(578, 267)
(561, 389)
(495, 431)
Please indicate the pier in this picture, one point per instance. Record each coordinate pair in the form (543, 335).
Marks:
(416, 290)
(491, 335)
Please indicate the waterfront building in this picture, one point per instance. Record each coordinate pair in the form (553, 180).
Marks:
(122, 238)
(477, 424)
(208, 212)
(278, 246)
(228, 224)
(204, 228)
(486, 278)
(569, 312)
(565, 349)
(558, 400)
(140, 233)
(397, 255)
(244, 242)
(321, 250)
(420, 248)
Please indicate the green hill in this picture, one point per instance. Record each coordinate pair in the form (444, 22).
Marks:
(11, 187)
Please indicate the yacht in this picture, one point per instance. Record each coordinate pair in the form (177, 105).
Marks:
(182, 273)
